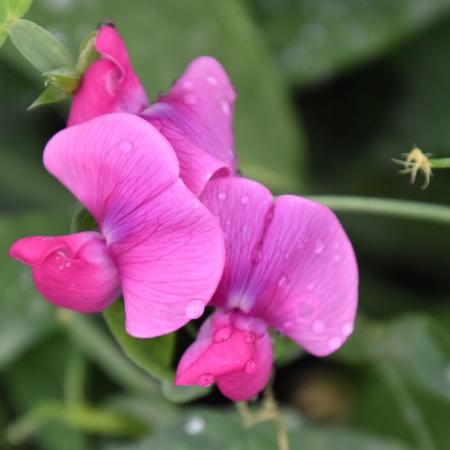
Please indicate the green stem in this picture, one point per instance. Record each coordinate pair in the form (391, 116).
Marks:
(386, 207)
(99, 348)
(411, 412)
(440, 163)
(81, 417)
(75, 378)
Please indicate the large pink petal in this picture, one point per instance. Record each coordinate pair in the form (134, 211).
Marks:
(109, 84)
(196, 117)
(73, 271)
(304, 279)
(232, 351)
(167, 246)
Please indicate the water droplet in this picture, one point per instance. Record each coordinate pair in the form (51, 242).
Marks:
(283, 281)
(205, 379)
(190, 99)
(211, 80)
(257, 257)
(245, 200)
(310, 287)
(188, 84)
(194, 309)
(228, 222)
(221, 196)
(319, 248)
(336, 258)
(68, 264)
(250, 366)
(288, 324)
(347, 329)
(249, 338)
(334, 343)
(195, 425)
(336, 246)
(223, 334)
(72, 286)
(318, 326)
(225, 107)
(244, 228)
(125, 147)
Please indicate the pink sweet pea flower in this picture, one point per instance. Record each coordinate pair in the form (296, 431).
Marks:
(195, 116)
(156, 242)
(289, 266)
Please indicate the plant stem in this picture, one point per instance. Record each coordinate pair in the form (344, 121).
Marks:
(405, 209)
(412, 415)
(440, 163)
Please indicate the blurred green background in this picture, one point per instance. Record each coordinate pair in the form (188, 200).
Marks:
(328, 92)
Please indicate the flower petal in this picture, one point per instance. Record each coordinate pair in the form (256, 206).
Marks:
(230, 352)
(73, 271)
(167, 246)
(305, 278)
(196, 117)
(109, 84)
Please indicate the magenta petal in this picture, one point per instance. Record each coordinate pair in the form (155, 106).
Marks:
(196, 117)
(304, 278)
(238, 358)
(73, 271)
(168, 248)
(109, 84)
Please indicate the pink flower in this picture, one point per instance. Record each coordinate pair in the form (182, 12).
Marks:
(289, 266)
(195, 116)
(156, 242)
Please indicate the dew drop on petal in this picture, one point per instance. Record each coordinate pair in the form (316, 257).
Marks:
(319, 248)
(205, 379)
(318, 326)
(222, 334)
(334, 343)
(211, 80)
(250, 366)
(125, 147)
(188, 84)
(245, 200)
(221, 196)
(257, 257)
(194, 309)
(336, 258)
(347, 329)
(195, 425)
(310, 287)
(249, 338)
(283, 281)
(225, 107)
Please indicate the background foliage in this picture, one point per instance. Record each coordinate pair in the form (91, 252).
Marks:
(329, 91)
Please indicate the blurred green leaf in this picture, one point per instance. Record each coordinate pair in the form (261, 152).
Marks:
(414, 345)
(164, 35)
(51, 94)
(152, 355)
(183, 394)
(25, 317)
(39, 46)
(11, 10)
(313, 40)
(285, 350)
(223, 430)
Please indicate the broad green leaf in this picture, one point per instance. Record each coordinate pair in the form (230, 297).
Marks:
(285, 350)
(25, 317)
(223, 430)
(10, 11)
(153, 355)
(39, 46)
(37, 379)
(163, 36)
(313, 40)
(414, 345)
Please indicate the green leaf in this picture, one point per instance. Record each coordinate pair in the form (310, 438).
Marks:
(223, 430)
(10, 11)
(285, 350)
(51, 94)
(88, 54)
(313, 40)
(181, 31)
(417, 348)
(39, 46)
(152, 355)
(25, 317)
(183, 394)
(66, 79)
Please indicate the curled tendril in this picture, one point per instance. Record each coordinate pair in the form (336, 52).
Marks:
(414, 162)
